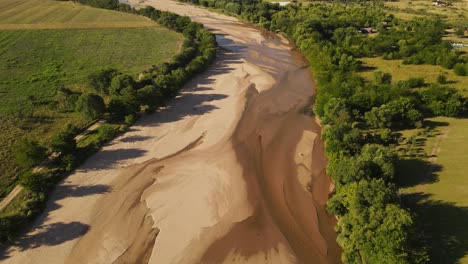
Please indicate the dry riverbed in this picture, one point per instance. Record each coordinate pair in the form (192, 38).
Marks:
(231, 171)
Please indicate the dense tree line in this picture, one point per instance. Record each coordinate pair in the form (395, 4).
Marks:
(125, 96)
(373, 226)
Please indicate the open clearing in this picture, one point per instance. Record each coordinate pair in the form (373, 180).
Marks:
(436, 188)
(407, 9)
(69, 41)
(37, 14)
(401, 72)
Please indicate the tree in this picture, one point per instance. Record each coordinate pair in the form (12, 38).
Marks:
(29, 152)
(90, 105)
(101, 80)
(66, 99)
(33, 181)
(461, 69)
(371, 226)
(382, 77)
(64, 141)
(442, 79)
(150, 95)
(119, 83)
(335, 110)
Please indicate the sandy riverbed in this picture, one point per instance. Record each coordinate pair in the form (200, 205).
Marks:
(231, 171)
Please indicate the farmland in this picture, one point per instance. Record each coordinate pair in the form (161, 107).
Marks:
(47, 44)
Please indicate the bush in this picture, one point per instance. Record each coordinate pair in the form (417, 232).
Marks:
(33, 181)
(101, 80)
(69, 161)
(64, 141)
(90, 105)
(460, 69)
(29, 152)
(130, 119)
(442, 79)
(107, 132)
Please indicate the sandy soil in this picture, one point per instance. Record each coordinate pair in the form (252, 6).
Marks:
(230, 172)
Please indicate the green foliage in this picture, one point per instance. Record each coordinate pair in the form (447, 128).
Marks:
(372, 227)
(29, 152)
(442, 79)
(461, 69)
(34, 181)
(101, 80)
(121, 83)
(382, 77)
(90, 105)
(64, 142)
(107, 132)
(69, 161)
(66, 99)
(443, 101)
(130, 119)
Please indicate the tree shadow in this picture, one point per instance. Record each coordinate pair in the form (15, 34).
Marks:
(65, 191)
(193, 100)
(366, 68)
(413, 171)
(229, 44)
(444, 227)
(48, 235)
(431, 124)
(107, 159)
(130, 139)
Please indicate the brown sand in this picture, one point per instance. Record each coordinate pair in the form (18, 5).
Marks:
(230, 172)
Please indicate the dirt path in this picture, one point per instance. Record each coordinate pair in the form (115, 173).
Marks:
(7, 200)
(221, 175)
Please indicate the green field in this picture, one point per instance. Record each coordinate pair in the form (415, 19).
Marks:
(435, 187)
(400, 71)
(18, 14)
(407, 9)
(46, 44)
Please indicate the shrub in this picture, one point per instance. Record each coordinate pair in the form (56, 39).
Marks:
(107, 132)
(69, 161)
(130, 119)
(64, 141)
(29, 152)
(442, 79)
(90, 105)
(33, 181)
(460, 69)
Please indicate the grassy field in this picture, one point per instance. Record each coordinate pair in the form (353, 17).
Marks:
(401, 71)
(36, 14)
(65, 43)
(435, 186)
(407, 9)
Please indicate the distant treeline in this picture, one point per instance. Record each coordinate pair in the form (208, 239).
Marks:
(125, 97)
(360, 116)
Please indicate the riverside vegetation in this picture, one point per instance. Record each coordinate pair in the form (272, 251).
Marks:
(112, 95)
(363, 118)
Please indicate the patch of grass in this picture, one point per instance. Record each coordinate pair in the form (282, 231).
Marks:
(34, 62)
(48, 13)
(400, 71)
(437, 192)
(408, 9)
